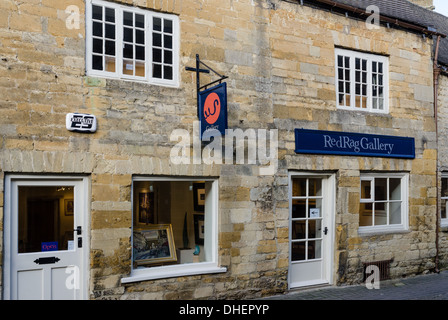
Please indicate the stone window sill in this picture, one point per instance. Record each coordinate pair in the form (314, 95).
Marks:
(182, 270)
(370, 231)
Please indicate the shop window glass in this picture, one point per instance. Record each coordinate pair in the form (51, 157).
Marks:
(383, 201)
(170, 222)
(45, 218)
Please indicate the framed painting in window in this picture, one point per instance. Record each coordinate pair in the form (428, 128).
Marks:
(199, 229)
(199, 196)
(146, 204)
(68, 206)
(154, 245)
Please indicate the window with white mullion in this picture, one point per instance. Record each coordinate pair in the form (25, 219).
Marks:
(162, 48)
(344, 76)
(352, 83)
(103, 40)
(369, 85)
(361, 81)
(382, 201)
(157, 47)
(125, 42)
(134, 44)
(377, 85)
(306, 219)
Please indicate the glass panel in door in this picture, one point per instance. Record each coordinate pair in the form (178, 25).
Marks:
(306, 219)
(45, 218)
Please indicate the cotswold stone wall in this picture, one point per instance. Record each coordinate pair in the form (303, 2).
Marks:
(303, 42)
(280, 61)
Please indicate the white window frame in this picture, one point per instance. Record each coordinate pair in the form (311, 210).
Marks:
(389, 228)
(118, 74)
(370, 58)
(211, 227)
(444, 221)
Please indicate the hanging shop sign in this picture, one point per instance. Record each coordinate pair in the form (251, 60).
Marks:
(213, 109)
(212, 101)
(80, 122)
(353, 144)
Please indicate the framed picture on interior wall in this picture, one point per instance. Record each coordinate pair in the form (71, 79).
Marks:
(199, 229)
(146, 212)
(153, 245)
(199, 196)
(68, 206)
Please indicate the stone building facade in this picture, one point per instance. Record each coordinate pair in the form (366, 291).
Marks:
(255, 232)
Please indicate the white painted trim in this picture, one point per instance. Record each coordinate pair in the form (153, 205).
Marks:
(443, 222)
(329, 198)
(295, 285)
(180, 270)
(83, 215)
(369, 57)
(175, 83)
(7, 239)
(393, 228)
(212, 226)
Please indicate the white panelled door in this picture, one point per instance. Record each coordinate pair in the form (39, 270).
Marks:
(45, 238)
(311, 229)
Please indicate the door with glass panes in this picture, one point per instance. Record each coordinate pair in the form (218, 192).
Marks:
(45, 238)
(311, 230)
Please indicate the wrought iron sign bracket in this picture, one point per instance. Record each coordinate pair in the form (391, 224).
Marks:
(198, 71)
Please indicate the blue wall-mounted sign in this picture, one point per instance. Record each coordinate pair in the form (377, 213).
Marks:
(213, 109)
(353, 144)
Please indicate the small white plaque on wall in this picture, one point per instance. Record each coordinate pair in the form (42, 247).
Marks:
(80, 122)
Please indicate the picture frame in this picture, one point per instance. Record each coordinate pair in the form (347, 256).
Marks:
(154, 244)
(199, 196)
(146, 208)
(199, 229)
(68, 207)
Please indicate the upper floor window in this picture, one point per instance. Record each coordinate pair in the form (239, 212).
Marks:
(130, 43)
(362, 81)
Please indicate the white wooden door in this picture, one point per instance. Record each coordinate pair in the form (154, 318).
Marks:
(45, 238)
(311, 230)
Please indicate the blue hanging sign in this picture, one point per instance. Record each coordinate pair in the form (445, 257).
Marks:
(353, 144)
(213, 109)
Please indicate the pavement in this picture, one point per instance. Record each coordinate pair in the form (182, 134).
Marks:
(433, 286)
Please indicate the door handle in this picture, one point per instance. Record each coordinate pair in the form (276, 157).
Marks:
(78, 230)
(325, 230)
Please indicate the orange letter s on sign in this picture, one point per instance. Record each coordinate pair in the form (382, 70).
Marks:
(212, 108)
